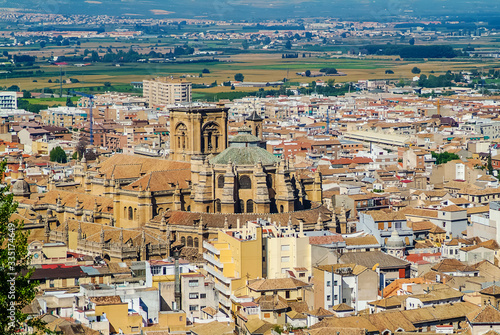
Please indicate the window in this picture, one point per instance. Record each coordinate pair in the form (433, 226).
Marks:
(220, 182)
(189, 241)
(245, 183)
(285, 259)
(328, 298)
(193, 307)
(285, 247)
(51, 283)
(335, 283)
(328, 283)
(344, 300)
(196, 242)
(203, 296)
(249, 206)
(193, 295)
(193, 283)
(130, 213)
(183, 240)
(302, 274)
(267, 315)
(218, 206)
(335, 297)
(287, 294)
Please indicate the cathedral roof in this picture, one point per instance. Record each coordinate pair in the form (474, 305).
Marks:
(123, 166)
(216, 220)
(245, 156)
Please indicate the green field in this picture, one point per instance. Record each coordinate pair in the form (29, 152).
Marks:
(263, 67)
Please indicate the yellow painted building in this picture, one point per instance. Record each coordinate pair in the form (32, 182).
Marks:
(233, 259)
(120, 320)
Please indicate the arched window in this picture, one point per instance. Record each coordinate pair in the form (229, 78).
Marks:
(245, 183)
(220, 181)
(210, 137)
(181, 134)
(135, 213)
(125, 212)
(196, 243)
(183, 240)
(218, 206)
(189, 241)
(241, 206)
(249, 206)
(130, 213)
(282, 209)
(208, 209)
(257, 131)
(188, 209)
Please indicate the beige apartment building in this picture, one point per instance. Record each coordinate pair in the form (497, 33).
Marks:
(163, 91)
(63, 116)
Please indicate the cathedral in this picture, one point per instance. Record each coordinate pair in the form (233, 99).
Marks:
(209, 181)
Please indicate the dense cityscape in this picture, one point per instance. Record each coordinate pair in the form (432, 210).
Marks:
(201, 175)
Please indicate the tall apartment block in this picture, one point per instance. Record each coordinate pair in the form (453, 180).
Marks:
(8, 100)
(162, 91)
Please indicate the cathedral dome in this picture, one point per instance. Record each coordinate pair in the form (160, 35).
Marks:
(244, 149)
(395, 241)
(245, 156)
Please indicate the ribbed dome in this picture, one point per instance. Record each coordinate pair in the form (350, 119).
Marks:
(21, 188)
(395, 241)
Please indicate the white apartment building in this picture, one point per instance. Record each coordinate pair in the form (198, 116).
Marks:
(163, 91)
(8, 100)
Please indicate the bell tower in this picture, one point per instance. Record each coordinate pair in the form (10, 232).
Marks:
(255, 123)
(197, 131)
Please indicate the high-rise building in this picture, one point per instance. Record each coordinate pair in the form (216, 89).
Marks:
(163, 91)
(8, 100)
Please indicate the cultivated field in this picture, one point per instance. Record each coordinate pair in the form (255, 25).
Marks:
(262, 67)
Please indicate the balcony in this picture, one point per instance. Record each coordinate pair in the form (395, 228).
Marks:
(222, 289)
(218, 275)
(212, 260)
(211, 248)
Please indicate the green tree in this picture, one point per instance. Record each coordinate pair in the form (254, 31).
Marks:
(411, 41)
(288, 45)
(26, 95)
(58, 155)
(444, 157)
(244, 44)
(489, 166)
(239, 77)
(69, 102)
(415, 70)
(308, 73)
(16, 289)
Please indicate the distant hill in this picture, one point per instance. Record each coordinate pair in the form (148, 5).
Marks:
(370, 10)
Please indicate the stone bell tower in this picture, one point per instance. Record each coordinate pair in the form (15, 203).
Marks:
(197, 131)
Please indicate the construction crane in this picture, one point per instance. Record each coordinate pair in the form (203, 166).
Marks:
(91, 102)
